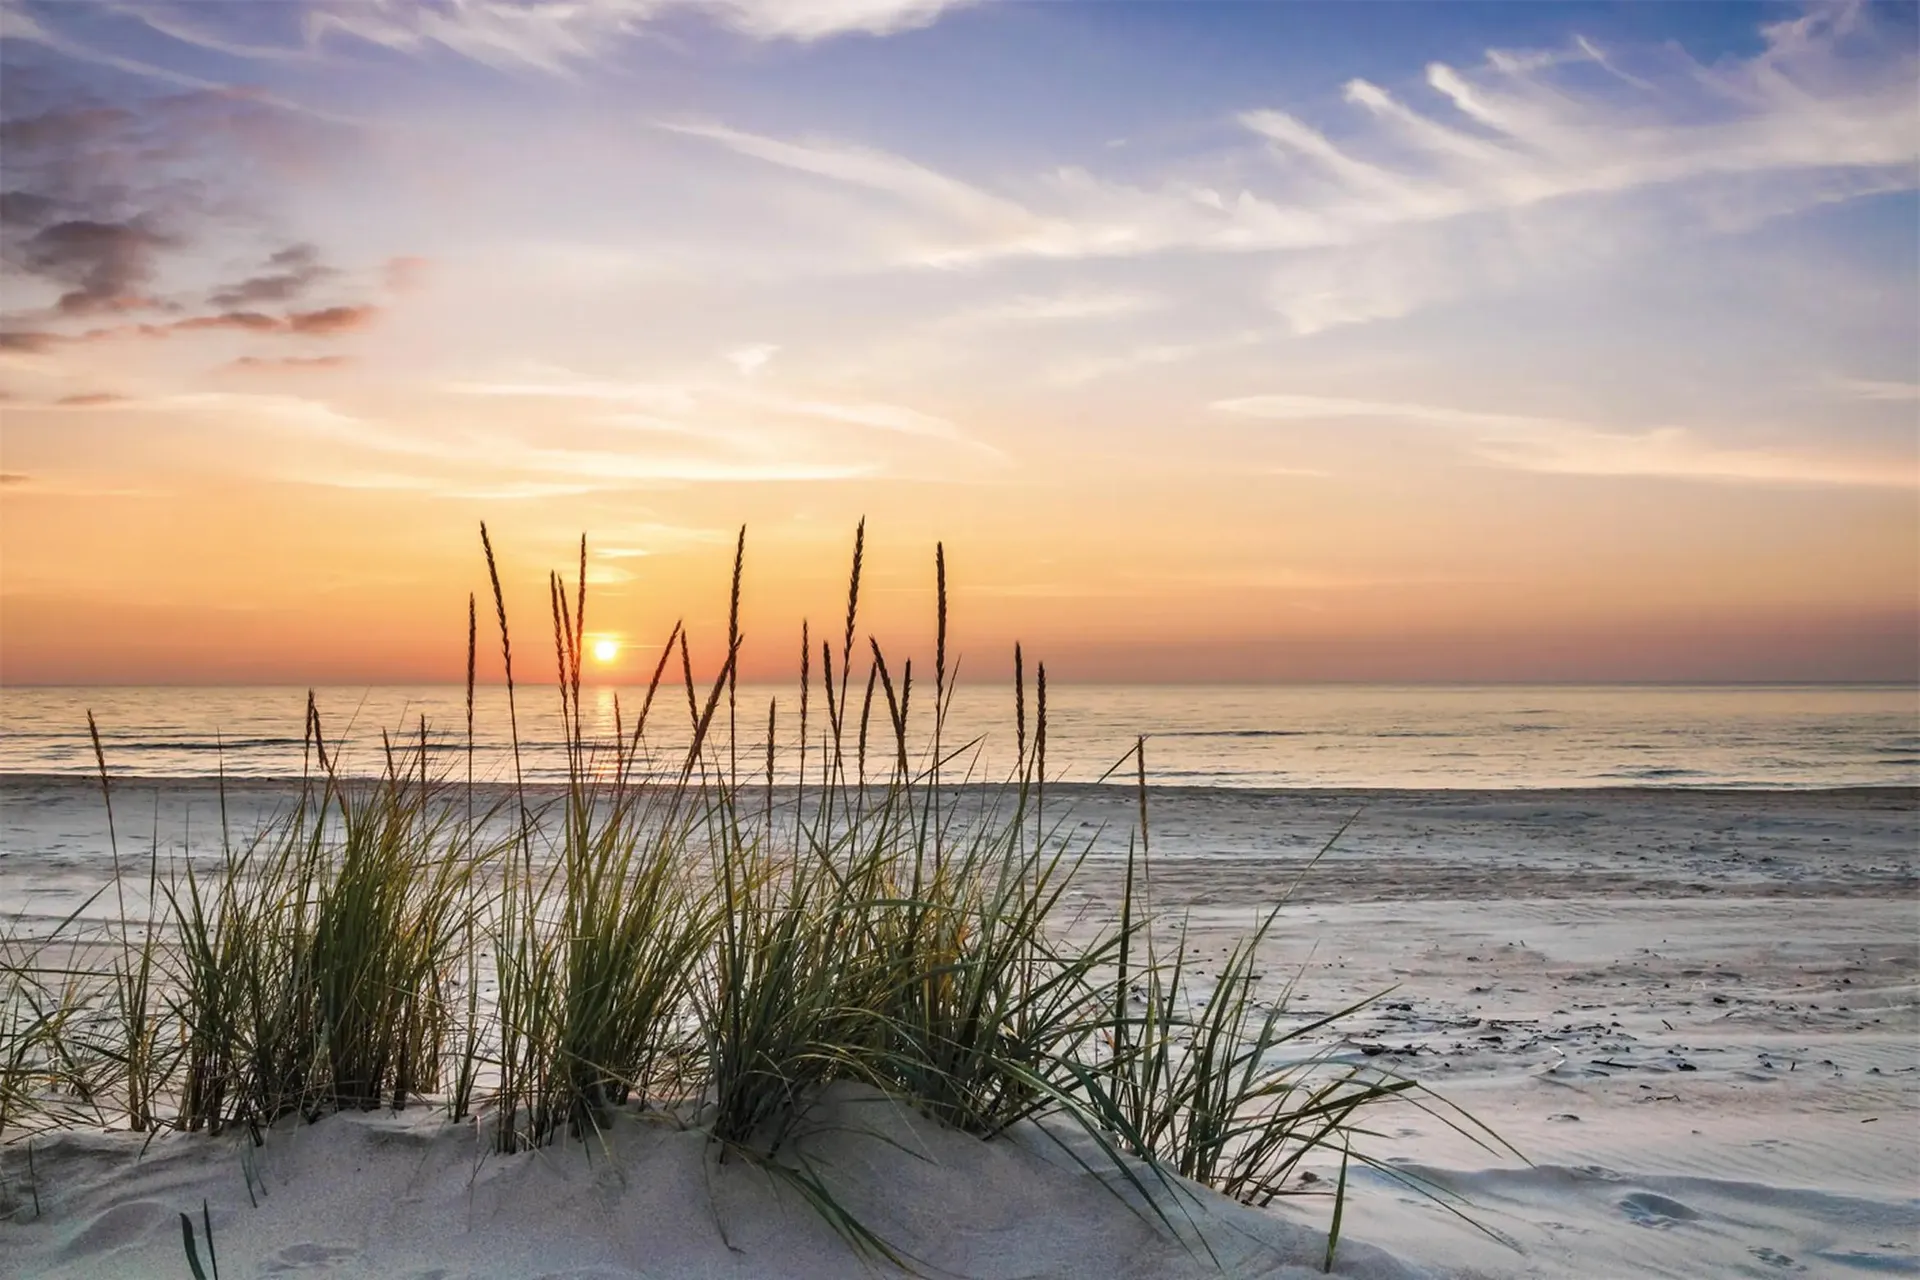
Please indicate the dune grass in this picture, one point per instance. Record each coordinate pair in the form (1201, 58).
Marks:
(664, 935)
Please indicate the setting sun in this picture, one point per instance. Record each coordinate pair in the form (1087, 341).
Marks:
(606, 650)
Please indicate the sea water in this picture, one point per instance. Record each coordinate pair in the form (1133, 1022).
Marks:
(1333, 736)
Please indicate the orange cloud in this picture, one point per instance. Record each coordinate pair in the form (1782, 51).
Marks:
(258, 363)
(323, 323)
(28, 341)
(332, 320)
(246, 321)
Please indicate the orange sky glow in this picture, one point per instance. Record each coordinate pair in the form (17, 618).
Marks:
(1453, 366)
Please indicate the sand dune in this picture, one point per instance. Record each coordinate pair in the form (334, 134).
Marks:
(411, 1197)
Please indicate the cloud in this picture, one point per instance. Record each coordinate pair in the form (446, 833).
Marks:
(1559, 446)
(981, 214)
(289, 363)
(744, 417)
(1882, 391)
(880, 417)
(651, 538)
(806, 20)
(1481, 177)
(561, 385)
(326, 322)
(310, 416)
(606, 468)
(14, 477)
(1077, 304)
(25, 208)
(1523, 131)
(89, 400)
(331, 320)
(241, 321)
(17, 24)
(552, 36)
(27, 341)
(103, 208)
(107, 265)
(1076, 372)
(55, 131)
(363, 453)
(290, 274)
(959, 224)
(750, 360)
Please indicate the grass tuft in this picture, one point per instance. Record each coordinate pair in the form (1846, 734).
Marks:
(670, 934)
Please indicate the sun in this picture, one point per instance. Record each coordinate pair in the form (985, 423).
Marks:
(606, 650)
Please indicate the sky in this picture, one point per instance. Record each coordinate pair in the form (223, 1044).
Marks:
(1213, 341)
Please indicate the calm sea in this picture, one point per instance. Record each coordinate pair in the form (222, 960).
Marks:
(1260, 736)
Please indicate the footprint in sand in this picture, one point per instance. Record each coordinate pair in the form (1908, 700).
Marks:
(1650, 1210)
(1775, 1258)
(306, 1256)
(1897, 1262)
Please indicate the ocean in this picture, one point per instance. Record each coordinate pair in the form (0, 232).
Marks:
(1316, 736)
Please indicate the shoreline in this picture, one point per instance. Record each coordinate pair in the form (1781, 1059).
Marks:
(1908, 792)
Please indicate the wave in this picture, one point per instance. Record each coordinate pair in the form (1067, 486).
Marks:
(231, 744)
(1237, 733)
(1658, 771)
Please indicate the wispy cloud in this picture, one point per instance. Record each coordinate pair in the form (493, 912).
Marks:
(1517, 168)
(704, 408)
(288, 364)
(1520, 133)
(877, 416)
(1084, 369)
(288, 274)
(1046, 308)
(1882, 391)
(326, 322)
(818, 19)
(968, 213)
(750, 360)
(507, 464)
(1560, 446)
(551, 36)
(559, 384)
(638, 540)
(17, 24)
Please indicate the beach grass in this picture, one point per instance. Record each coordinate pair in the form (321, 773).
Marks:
(662, 936)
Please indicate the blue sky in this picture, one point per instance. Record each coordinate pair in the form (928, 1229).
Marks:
(1245, 328)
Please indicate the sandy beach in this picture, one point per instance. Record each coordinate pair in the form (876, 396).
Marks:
(1693, 1012)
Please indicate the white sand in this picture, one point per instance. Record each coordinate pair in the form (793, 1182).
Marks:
(410, 1196)
(1698, 1014)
